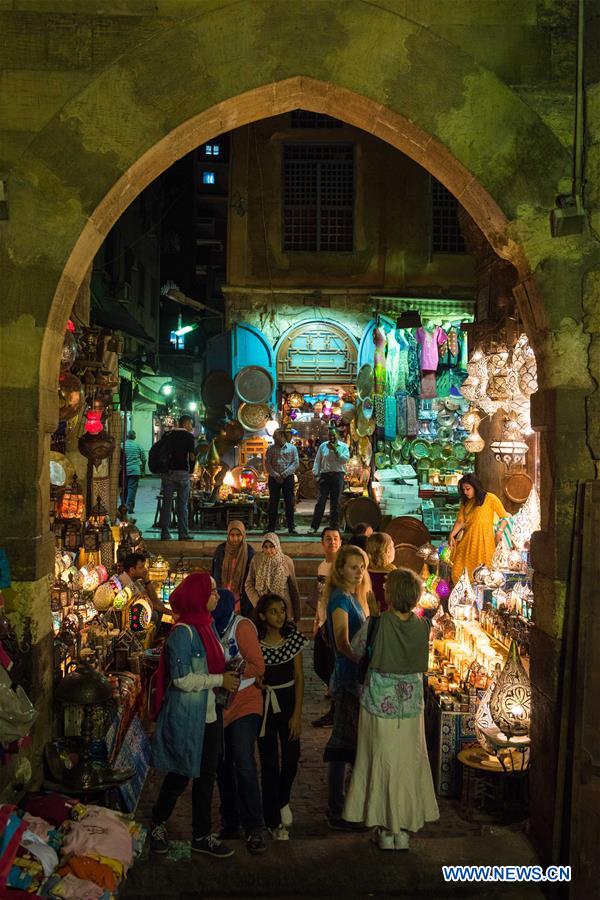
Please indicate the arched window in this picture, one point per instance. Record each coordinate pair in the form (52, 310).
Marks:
(317, 351)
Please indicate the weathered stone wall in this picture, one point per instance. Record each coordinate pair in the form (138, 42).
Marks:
(95, 104)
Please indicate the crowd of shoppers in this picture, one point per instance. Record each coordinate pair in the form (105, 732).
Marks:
(231, 683)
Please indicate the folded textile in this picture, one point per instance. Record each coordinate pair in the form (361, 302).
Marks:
(77, 889)
(41, 850)
(99, 834)
(90, 870)
(38, 826)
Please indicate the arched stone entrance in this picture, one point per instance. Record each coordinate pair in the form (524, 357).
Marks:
(181, 87)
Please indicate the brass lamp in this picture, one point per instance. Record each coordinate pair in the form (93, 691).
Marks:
(90, 690)
(510, 702)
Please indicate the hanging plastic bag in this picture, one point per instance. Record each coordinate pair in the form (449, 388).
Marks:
(17, 713)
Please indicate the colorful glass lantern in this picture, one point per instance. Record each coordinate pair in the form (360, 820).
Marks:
(483, 718)
(59, 595)
(510, 702)
(295, 400)
(158, 570)
(72, 504)
(140, 615)
(91, 538)
(474, 443)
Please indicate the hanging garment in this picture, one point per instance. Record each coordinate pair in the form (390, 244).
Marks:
(379, 368)
(413, 375)
(428, 385)
(412, 422)
(392, 364)
(401, 413)
(429, 342)
(390, 425)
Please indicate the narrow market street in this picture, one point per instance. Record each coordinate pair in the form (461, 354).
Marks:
(317, 862)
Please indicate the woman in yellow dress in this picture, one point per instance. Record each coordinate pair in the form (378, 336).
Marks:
(478, 513)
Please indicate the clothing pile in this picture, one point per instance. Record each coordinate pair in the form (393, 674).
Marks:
(56, 847)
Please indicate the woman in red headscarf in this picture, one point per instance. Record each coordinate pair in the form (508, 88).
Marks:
(187, 741)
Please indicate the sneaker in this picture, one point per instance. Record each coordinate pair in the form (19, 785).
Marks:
(339, 824)
(401, 841)
(279, 834)
(383, 838)
(158, 839)
(212, 846)
(287, 818)
(325, 721)
(255, 843)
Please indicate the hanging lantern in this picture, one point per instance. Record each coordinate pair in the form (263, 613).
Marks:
(93, 424)
(71, 504)
(471, 419)
(96, 447)
(91, 579)
(462, 597)
(295, 400)
(498, 384)
(526, 521)
(511, 449)
(480, 574)
(158, 570)
(71, 396)
(98, 517)
(510, 701)
(139, 615)
(102, 574)
(497, 358)
(68, 353)
(91, 538)
(73, 535)
(474, 443)
(59, 595)
(123, 597)
(271, 427)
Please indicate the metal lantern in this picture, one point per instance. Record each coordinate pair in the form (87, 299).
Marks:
(73, 535)
(295, 400)
(90, 690)
(462, 597)
(510, 702)
(158, 570)
(71, 396)
(91, 538)
(96, 447)
(72, 503)
(473, 442)
(59, 595)
(497, 358)
(100, 520)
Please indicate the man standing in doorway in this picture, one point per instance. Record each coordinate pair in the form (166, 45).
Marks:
(281, 462)
(182, 457)
(329, 468)
(135, 464)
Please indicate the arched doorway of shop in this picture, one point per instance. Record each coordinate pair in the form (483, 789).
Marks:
(313, 95)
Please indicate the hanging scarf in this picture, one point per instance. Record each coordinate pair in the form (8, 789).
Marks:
(189, 603)
(224, 610)
(235, 562)
(271, 571)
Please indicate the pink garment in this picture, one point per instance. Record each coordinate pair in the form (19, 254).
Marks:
(101, 834)
(77, 889)
(430, 341)
(37, 826)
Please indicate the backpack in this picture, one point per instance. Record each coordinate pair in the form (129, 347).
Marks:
(159, 456)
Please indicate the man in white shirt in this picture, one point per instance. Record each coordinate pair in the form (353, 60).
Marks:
(329, 468)
(281, 462)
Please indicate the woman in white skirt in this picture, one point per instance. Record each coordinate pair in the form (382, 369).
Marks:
(391, 784)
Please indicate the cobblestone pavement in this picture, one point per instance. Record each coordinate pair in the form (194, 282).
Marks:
(317, 862)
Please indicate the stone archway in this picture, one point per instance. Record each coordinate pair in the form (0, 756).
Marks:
(234, 64)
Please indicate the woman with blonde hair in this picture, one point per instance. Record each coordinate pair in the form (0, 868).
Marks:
(347, 592)
(381, 553)
(391, 784)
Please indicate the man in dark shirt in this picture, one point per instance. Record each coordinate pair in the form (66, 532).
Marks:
(182, 458)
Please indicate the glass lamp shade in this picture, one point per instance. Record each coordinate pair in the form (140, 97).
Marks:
(480, 574)
(73, 535)
(159, 569)
(510, 702)
(509, 452)
(461, 595)
(295, 400)
(123, 597)
(91, 538)
(526, 521)
(483, 719)
(470, 388)
(473, 442)
(71, 504)
(139, 615)
(497, 358)
(471, 419)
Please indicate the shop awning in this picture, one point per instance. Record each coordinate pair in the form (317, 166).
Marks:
(120, 319)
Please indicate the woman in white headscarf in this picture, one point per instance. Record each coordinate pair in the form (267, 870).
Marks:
(272, 572)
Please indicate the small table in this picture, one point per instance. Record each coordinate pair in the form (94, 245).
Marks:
(491, 790)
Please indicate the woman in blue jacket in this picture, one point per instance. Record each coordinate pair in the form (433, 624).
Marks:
(187, 741)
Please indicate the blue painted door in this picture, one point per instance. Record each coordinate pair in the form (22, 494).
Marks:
(250, 347)
(218, 353)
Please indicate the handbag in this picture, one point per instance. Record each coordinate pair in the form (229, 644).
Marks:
(323, 656)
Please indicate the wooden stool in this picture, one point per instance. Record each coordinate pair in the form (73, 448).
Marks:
(159, 503)
(491, 791)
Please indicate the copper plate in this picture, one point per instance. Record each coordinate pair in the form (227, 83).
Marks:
(407, 530)
(217, 388)
(407, 557)
(362, 509)
(364, 381)
(307, 486)
(234, 432)
(253, 416)
(253, 384)
(517, 486)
